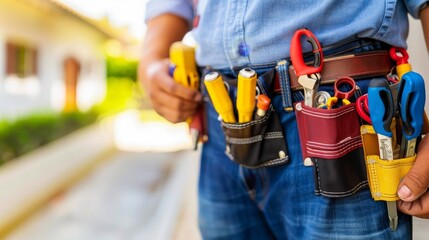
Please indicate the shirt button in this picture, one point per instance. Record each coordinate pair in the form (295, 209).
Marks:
(243, 49)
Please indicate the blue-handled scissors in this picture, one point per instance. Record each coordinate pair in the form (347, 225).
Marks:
(411, 102)
(381, 112)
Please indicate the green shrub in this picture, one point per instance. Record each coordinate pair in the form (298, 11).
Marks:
(22, 135)
(120, 67)
(120, 95)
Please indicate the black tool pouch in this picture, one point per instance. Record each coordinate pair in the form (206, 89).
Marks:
(331, 142)
(258, 143)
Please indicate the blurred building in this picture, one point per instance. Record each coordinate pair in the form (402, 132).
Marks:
(51, 57)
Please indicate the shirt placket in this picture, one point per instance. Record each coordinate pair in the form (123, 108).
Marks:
(236, 49)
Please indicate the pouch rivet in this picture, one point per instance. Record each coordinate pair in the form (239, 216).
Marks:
(282, 154)
(308, 162)
(298, 107)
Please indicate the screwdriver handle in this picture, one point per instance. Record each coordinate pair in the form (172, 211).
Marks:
(262, 106)
(219, 96)
(411, 100)
(246, 93)
(402, 69)
(184, 70)
(381, 106)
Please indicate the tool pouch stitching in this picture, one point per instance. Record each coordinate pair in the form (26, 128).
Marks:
(384, 176)
(331, 139)
(257, 143)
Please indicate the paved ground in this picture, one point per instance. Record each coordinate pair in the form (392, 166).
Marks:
(120, 200)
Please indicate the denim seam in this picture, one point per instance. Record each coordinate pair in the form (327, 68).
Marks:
(250, 191)
(261, 85)
(282, 70)
(387, 19)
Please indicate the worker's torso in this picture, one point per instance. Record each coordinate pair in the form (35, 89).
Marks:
(233, 33)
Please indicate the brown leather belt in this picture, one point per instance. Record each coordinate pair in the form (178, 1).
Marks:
(375, 63)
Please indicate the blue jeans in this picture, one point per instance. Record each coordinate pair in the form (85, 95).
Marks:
(280, 202)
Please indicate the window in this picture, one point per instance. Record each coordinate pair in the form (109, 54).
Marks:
(21, 60)
(21, 70)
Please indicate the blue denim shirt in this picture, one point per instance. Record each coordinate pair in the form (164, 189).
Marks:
(234, 33)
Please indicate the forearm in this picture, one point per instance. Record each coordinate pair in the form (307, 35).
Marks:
(424, 17)
(162, 31)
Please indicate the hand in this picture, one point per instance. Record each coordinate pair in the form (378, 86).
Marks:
(171, 100)
(413, 188)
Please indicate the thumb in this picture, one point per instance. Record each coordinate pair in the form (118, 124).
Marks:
(416, 182)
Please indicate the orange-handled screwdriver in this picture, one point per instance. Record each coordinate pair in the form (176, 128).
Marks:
(263, 105)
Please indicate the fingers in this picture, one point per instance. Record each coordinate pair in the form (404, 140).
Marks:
(173, 115)
(171, 100)
(416, 182)
(418, 208)
(172, 108)
(168, 85)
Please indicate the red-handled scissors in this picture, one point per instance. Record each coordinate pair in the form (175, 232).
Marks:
(362, 108)
(343, 95)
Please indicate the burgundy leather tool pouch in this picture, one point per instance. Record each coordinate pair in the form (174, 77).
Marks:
(258, 143)
(331, 143)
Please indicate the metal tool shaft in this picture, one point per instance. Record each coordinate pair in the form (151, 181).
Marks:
(381, 107)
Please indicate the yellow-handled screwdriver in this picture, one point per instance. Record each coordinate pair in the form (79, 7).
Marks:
(184, 71)
(246, 92)
(219, 96)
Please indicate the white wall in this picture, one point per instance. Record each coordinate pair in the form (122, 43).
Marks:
(56, 36)
(419, 57)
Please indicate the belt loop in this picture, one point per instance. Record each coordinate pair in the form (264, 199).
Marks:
(283, 74)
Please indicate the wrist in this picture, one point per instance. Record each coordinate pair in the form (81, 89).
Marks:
(149, 67)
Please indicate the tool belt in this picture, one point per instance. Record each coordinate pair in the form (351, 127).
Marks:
(260, 143)
(331, 139)
(377, 63)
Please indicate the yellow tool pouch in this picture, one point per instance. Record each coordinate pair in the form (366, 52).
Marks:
(384, 176)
